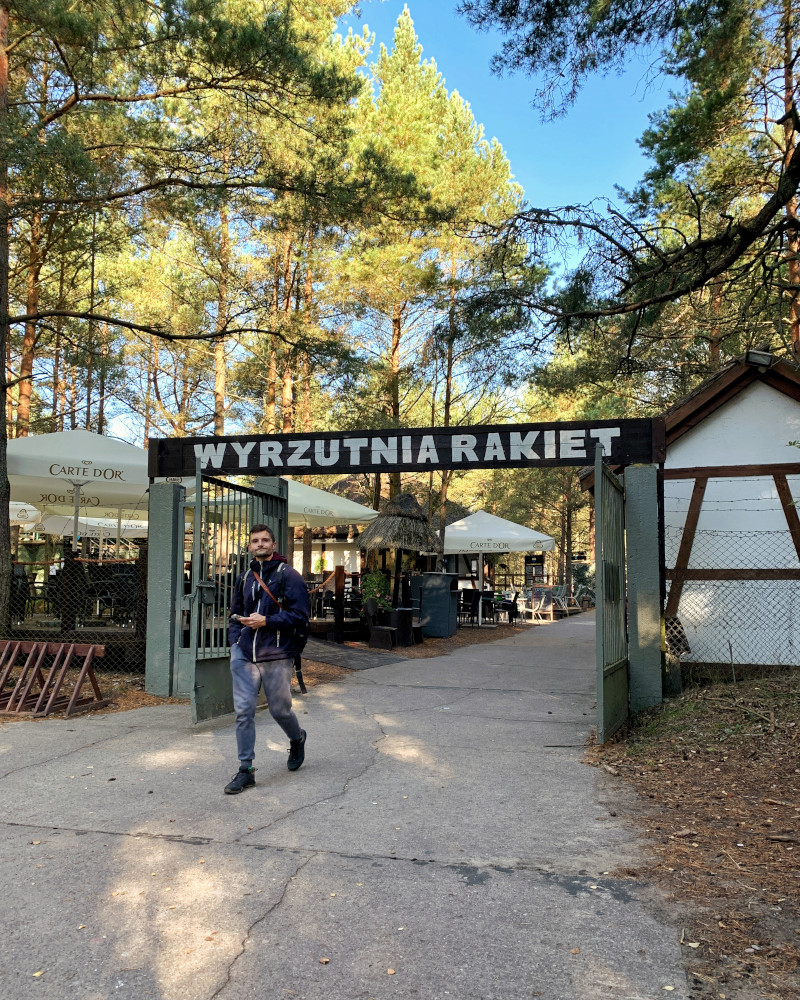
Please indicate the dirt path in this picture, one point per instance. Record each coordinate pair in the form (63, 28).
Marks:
(718, 773)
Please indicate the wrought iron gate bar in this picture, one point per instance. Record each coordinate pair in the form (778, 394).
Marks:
(611, 639)
(220, 515)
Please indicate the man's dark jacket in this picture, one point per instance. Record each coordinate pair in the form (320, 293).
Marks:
(275, 639)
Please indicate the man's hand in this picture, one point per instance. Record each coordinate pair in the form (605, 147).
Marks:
(253, 621)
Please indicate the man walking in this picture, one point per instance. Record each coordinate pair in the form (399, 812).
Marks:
(269, 601)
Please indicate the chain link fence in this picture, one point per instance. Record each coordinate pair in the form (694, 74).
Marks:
(86, 601)
(737, 615)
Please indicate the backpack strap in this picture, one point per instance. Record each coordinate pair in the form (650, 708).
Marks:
(265, 587)
(279, 572)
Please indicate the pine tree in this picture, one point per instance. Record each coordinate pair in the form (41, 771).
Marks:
(99, 107)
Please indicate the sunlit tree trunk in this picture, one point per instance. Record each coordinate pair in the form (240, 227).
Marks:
(101, 401)
(5, 490)
(305, 368)
(790, 142)
(222, 319)
(29, 337)
(57, 416)
(148, 396)
(447, 474)
(394, 385)
(272, 380)
(715, 341)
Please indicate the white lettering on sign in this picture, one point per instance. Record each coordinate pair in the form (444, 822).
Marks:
(299, 448)
(522, 447)
(473, 446)
(210, 454)
(243, 450)
(463, 448)
(572, 444)
(427, 450)
(333, 454)
(270, 453)
(605, 435)
(494, 449)
(355, 445)
(385, 451)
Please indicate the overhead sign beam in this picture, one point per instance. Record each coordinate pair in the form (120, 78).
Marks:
(497, 446)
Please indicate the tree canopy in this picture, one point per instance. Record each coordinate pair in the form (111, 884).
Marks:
(718, 207)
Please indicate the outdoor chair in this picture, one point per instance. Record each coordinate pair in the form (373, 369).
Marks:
(537, 604)
(124, 604)
(563, 600)
(488, 610)
(462, 612)
(509, 606)
(468, 608)
(416, 618)
(380, 636)
(20, 592)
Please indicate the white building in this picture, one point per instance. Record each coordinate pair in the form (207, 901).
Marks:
(731, 527)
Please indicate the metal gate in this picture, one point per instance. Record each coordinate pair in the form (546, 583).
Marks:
(611, 636)
(217, 522)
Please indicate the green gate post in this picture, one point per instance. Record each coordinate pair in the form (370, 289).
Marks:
(165, 542)
(644, 591)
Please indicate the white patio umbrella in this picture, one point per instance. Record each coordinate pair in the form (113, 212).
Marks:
(23, 514)
(484, 532)
(79, 471)
(92, 527)
(315, 508)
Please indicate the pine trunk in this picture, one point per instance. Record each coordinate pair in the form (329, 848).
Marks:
(395, 485)
(29, 338)
(220, 386)
(790, 143)
(101, 399)
(5, 490)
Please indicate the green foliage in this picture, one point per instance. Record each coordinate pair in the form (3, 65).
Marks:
(376, 585)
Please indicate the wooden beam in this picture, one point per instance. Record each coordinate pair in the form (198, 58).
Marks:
(784, 380)
(685, 550)
(680, 576)
(734, 471)
(789, 509)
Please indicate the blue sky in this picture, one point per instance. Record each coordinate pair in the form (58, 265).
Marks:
(570, 161)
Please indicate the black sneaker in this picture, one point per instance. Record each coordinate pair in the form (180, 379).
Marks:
(297, 752)
(244, 778)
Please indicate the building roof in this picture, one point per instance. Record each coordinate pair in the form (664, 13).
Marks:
(723, 386)
(714, 392)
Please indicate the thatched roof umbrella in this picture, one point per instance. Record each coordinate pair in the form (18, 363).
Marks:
(401, 525)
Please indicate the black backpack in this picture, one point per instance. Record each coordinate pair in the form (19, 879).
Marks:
(300, 631)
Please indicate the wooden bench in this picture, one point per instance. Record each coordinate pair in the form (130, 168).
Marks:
(32, 692)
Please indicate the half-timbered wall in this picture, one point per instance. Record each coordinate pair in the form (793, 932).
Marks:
(732, 533)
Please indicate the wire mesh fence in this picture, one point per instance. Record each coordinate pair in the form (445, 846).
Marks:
(739, 604)
(83, 600)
